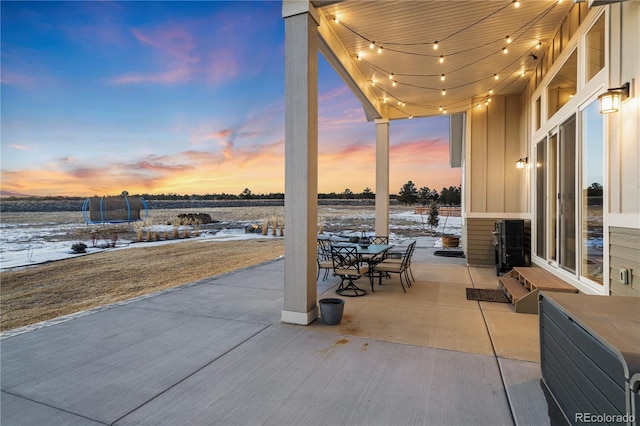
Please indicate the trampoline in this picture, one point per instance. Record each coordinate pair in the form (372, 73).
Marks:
(114, 209)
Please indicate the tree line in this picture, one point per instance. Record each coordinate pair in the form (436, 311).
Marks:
(408, 194)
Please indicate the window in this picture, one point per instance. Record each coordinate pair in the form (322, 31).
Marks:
(537, 113)
(595, 48)
(563, 86)
(592, 192)
(541, 199)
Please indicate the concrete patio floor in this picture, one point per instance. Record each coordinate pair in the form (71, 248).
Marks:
(215, 352)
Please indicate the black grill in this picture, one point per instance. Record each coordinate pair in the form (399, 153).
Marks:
(510, 246)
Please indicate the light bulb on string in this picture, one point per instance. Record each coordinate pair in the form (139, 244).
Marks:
(404, 104)
(335, 20)
(478, 106)
(509, 40)
(539, 45)
(495, 77)
(379, 50)
(394, 83)
(491, 91)
(505, 50)
(441, 59)
(444, 111)
(435, 45)
(440, 108)
(372, 45)
(516, 4)
(442, 77)
(391, 76)
(444, 92)
(399, 103)
(411, 116)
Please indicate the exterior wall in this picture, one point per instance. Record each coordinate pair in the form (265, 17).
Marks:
(624, 252)
(496, 188)
(496, 144)
(624, 133)
(623, 218)
(479, 248)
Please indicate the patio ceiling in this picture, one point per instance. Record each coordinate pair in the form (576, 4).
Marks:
(471, 36)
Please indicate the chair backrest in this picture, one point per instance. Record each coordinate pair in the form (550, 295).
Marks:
(406, 257)
(345, 259)
(324, 250)
(379, 239)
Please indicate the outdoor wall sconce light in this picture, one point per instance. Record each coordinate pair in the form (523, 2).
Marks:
(522, 162)
(610, 100)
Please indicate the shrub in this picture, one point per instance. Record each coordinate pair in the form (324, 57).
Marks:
(79, 248)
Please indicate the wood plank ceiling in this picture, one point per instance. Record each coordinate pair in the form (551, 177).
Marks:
(471, 36)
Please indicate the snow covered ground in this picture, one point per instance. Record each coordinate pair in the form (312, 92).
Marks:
(26, 239)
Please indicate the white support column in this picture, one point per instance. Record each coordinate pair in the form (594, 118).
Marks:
(301, 162)
(382, 176)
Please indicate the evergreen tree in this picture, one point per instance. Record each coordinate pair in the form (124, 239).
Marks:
(433, 220)
(408, 193)
(424, 195)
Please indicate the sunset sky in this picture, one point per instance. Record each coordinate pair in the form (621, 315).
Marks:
(177, 97)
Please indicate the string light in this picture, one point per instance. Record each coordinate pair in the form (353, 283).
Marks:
(404, 104)
(411, 116)
(486, 102)
(389, 45)
(444, 111)
(478, 106)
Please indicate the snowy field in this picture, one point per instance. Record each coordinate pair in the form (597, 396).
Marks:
(32, 238)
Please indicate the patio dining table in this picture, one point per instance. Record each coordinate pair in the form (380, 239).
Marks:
(368, 254)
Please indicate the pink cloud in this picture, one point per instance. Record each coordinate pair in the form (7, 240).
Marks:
(22, 81)
(178, 75)
(19, 147)
(223, 64)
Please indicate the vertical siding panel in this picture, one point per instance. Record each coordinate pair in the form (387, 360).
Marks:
(477, 161)
(496, 155)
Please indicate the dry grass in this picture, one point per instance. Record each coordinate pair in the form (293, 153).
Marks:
(59, 288)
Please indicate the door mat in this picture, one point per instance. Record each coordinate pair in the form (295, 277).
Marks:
(487, 295)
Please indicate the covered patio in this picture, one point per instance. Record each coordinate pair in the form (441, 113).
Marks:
(215, 352)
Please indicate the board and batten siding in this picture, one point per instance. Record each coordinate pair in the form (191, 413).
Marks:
(624, 252)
